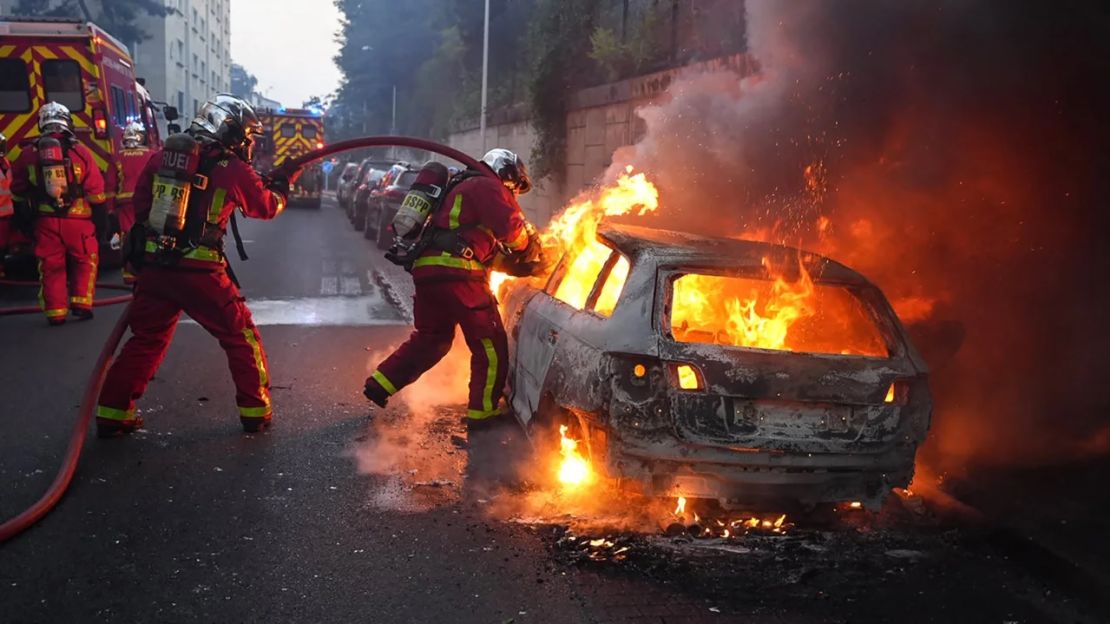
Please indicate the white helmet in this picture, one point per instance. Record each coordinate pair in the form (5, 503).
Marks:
(54, 117)
(134, 134)
(510, 168)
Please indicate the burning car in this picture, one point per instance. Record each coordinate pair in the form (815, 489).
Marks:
(725, 369)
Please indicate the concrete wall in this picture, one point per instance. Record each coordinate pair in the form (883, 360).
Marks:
(602, 119)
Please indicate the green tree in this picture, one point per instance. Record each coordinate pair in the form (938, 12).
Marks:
(559, 47)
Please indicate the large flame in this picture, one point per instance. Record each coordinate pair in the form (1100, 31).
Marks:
(718, 309)
(574, 470)
(573, 232)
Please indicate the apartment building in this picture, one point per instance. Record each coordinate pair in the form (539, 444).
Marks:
(188, 55)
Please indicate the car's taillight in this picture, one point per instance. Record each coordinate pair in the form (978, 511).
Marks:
(100, 124)
(898, 393)
(686, 376)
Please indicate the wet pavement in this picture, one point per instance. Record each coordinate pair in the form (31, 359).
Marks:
(336, 517)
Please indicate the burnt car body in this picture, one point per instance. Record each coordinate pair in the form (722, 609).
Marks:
(760, 426)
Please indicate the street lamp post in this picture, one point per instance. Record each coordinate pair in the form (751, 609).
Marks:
(485, 75)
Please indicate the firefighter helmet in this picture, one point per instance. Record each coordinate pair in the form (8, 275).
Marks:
(134, 135)
(230, 121)
(510, 168)
(54, 117)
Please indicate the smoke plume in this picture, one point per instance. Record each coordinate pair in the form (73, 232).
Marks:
(950, 151)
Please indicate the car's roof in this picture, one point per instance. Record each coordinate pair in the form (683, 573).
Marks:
(679, 249)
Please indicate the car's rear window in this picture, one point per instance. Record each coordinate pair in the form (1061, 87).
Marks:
(15, 87)
(308, 132)
(777, 314)
(288, 130)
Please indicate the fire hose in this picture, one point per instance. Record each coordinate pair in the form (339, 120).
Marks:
(40, 508)
(32, 309)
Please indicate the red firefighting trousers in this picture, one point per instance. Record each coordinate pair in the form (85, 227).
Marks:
(60, 242)
(212, 300)
(438, 307)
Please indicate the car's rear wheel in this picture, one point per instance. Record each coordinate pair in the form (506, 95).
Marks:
(546, 441)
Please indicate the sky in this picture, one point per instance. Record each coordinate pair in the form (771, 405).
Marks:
(288, 45)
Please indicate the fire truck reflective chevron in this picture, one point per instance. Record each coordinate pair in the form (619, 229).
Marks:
(289, 134)
(81, 66)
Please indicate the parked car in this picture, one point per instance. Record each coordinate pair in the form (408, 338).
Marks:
(383, 203)
(346, 179)
(363, 170)
(359, 199)
(663, 400)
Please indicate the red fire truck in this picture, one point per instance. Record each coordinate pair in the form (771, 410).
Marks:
(290, 132)
(83, 67)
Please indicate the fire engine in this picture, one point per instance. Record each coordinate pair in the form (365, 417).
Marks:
(84, 68)
(290, 132)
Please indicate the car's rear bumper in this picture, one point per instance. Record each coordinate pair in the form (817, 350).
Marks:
(751, 477)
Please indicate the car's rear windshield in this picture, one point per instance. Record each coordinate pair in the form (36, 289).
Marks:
(308, 132)
(778, 314)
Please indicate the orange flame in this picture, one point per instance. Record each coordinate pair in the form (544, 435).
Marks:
(573, 232)
(574, 470)
(758, 318)
(680, 508)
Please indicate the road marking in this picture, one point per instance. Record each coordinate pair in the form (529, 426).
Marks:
(323, 311)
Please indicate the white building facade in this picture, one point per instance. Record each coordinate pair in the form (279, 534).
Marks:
(187, 58)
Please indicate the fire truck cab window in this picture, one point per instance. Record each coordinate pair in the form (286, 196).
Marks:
(288, 131)
(119, 107)
(778, 313)
(62, 82)
(15, 87)
(308, 132)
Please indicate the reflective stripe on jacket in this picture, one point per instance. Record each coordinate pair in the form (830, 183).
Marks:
(7, 206)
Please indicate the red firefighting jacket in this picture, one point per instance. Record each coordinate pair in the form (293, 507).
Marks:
(129, 167)
(6, 204)
(484, 213)
(25, 181)
(232, 184)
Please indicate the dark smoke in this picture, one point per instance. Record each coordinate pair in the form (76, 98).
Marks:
(957, 151)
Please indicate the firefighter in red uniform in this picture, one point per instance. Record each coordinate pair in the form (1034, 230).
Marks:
(59, 178)
(132, 160)
(7, 205)
(478, 219)
(185, 197)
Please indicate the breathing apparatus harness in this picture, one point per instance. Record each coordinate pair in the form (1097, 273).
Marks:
(414, 232)
(177, 225)
(58, 184)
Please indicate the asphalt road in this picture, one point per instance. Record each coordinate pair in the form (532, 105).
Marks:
(331, 517)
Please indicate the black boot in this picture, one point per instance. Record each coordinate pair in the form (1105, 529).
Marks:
(256, 425)
(373, 391)
(108, 428)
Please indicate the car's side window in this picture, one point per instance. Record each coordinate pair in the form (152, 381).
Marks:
(590, 280)
(611, 283)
